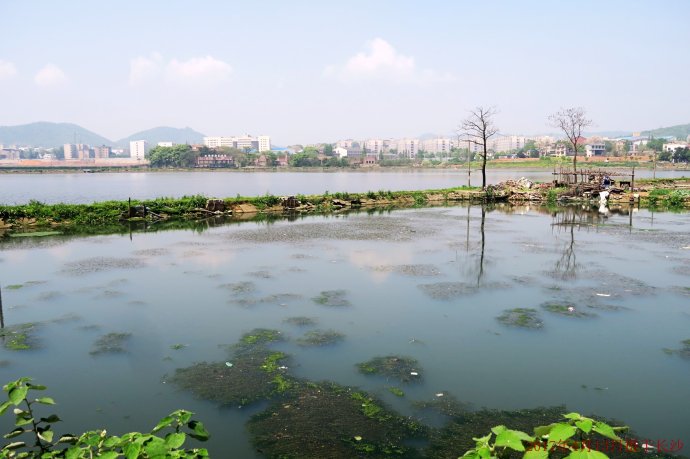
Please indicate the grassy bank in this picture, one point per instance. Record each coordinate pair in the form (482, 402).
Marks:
(37, 216)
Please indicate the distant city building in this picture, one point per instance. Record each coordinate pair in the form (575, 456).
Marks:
(137, 149)
(439, 146)
(9, 153)
(376, 146)
(260, 143)
(165, 144)
(595, 149)
(408, 148)
(507, 143)
(264, 143)
(672, 147)
(101, 152)
(76, 151)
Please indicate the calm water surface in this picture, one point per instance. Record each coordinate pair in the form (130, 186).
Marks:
(633, 280)
(87, 188)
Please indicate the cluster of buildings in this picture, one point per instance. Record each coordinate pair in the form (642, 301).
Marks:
(245, 142)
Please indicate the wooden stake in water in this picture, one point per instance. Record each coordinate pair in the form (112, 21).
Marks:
(2, 316)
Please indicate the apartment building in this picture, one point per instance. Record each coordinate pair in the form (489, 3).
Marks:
(137, 149)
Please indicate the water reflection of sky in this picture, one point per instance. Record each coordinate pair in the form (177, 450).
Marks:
(172, 287)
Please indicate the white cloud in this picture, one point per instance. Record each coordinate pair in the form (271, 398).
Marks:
(381, 61)
(198, 69)
(50, 76)
(143, 69)
(206, 69)
(7, 69)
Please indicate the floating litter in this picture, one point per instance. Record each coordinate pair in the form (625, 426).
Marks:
(604, 294)
(358, 438)
(571, 309)
(440, 394)
(414, 373)
(228, 364)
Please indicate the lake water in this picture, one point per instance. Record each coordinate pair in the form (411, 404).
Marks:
(411, 279)
(87, 188)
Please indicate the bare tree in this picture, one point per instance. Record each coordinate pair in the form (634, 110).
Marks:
(572, 121)
(479, 128)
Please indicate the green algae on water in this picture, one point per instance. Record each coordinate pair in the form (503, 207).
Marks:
(111, 343)
(20, 337)
(320, 338)
(521, 317)
(404, 369)
(329, 420)
(332, 298)
(567, 309)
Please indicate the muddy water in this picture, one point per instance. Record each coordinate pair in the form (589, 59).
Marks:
(425, 283)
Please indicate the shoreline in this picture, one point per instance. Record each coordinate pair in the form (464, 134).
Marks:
(40, 219)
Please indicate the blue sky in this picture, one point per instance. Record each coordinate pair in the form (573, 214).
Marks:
(308, 71)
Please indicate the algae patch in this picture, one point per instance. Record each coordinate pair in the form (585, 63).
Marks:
(100, 264)
(567, 309)
(320, 338)
(521, 317)
(332, 298)
(20, 337)
(329, 420)
(404, 369)
(111, 343)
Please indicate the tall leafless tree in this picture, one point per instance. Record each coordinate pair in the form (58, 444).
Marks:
(572, 121)
(479, 127)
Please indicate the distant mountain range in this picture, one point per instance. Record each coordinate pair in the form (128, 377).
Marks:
(45, 134)
(681, 131)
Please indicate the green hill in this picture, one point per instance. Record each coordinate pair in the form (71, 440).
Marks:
(164, 134)
(45, 134)
(681, 131)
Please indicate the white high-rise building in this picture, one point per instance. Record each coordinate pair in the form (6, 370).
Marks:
(264, 143)
(440, 146)
(137, 149)
(507, 143)
(219, 141)
(408, 148)
(70, 151)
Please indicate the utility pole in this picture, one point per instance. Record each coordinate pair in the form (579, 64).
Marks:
(469, 171)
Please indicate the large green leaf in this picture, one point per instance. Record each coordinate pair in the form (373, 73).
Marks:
(4, 406)
(175, 440)
(200, 432)
(509, 439)
(561, 432)
(131, 450)
(18, 394)
(46, 401)
(46, 435)
(605, 430)
(14, 433)
(162, 424)
(584, 425)
(573, 416)
(109, 455)
(542, 453)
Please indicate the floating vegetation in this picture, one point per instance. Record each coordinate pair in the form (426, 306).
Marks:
(329, 420)
(457, 436)
(258, 337)
(177, 347)
(240, 288)
(20, 337)
(682, 352)
(420, 270)
(100, 264)
(320, 338)
(332, 298)
(521, 317)
(443, 403)
(90, 327)
(14, 286)
(111, 343)
(301, 256)
(253, 373)
(685, 291)
(450, 290)
(301, 321)
(396, 391)
(404, 369)
(567, 309)
(263, 274)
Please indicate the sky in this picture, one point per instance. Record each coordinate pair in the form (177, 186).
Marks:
(319, 71)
